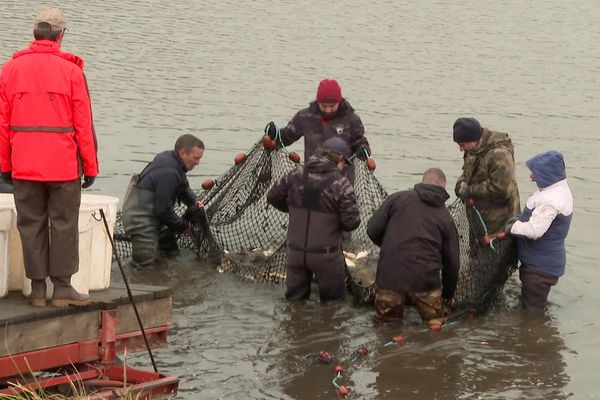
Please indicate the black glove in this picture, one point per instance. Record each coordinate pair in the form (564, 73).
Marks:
(363, 154)
(509, 224)
(271, 130)
(183, 226)
(465, 194)
(192, 214)
(88, 181)
(7, 177)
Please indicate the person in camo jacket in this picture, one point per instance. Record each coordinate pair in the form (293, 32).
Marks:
(488, 176)
(321, 204)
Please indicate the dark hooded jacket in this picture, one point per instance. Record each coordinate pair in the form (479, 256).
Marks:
(320, 225)
(418, 240)
(309, 122)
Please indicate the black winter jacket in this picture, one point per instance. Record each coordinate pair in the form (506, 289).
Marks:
(309, 123)
(166, 177)
(418, 240)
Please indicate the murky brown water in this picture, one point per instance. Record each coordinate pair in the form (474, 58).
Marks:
(222, 69)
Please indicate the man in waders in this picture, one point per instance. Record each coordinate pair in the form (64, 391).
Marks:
(149, 216)
(47, 143)
(488, 176)
(321, 204)
(419, 251)
(330, 115)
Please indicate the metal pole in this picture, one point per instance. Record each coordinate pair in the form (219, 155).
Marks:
(137, 315)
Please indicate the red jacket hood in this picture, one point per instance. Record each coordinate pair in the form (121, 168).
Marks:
(49, 46)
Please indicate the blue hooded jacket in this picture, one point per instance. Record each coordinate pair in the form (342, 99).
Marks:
(547, 254)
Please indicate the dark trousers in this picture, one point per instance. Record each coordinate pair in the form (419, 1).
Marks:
(328, 269)
(535, 288)
(47, 219)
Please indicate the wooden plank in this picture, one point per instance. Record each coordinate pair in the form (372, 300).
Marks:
(153, 314)
(39, 334)
(25, 328)
(158, 291)
(15, 308)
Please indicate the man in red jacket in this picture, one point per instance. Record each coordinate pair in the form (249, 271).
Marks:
(47, 143)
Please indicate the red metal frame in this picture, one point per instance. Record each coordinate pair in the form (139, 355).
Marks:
(91, 362)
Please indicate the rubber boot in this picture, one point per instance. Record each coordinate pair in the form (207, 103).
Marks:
(65, 295)
(38, 293)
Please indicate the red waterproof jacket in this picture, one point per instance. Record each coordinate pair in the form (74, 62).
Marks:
(46, 127)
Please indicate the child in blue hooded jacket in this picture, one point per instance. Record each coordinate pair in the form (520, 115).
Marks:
(541, 229)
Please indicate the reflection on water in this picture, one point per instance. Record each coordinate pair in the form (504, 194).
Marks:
(519, 358)
(223, 69)
(234, 340)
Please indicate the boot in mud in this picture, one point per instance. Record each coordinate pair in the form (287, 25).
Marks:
(65, 295)
(38, 293)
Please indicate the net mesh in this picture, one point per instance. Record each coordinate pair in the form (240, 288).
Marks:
(243, 235)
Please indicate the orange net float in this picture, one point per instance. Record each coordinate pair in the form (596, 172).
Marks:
(295, 157)
(362, 351)
(343, 391)
(398, 339)
(371, 165)
(268, 143)
(435, 327)
(325, 356)
(470, 202)
(339, 369)
(208, 184)
(240, 158)
(487, 239)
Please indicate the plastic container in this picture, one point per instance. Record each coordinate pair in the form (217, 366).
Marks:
(98, 259)
(95, 252)
(8, 222)
(16, 271)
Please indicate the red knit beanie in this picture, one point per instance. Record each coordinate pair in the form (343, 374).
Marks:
(329, 92)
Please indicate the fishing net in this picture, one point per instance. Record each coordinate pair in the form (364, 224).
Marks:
(241, 234)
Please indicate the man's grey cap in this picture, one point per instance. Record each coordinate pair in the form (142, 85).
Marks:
(53, 17)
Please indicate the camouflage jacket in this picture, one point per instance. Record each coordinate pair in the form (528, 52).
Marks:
(319, 214)
(309, 123)
(489, 172)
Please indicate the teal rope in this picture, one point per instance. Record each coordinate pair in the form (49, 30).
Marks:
(279, 139)
(334, 381)
(485, 229)
(480, 219)
(354, 155)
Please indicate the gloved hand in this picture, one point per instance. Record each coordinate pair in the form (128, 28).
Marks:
(7, 177)
(509, 224)
(363, 153)
(465, 194)
(271, 130)
(88, 181)
(192, 214)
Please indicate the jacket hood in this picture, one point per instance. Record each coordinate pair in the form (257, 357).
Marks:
(49, 46)
(490, 140)
(344, 108)
(432, 194)
(548, 168)
(320, 165)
